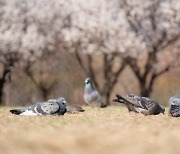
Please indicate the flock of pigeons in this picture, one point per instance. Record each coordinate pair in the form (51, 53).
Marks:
(143, 105)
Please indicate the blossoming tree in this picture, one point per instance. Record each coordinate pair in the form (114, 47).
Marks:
(157, 23)
(99, 30)
(138, 33)
(120, 32)
(27, 31)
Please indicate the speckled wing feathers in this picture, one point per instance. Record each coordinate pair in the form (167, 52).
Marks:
(48, 108)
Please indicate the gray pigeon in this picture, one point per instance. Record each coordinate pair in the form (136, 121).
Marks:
(174, 106)
(91, 95)
(50, 107)
(144, 105)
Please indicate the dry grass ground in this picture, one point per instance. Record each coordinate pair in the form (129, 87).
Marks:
(111, 130)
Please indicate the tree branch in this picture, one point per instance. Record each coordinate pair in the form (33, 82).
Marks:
(116, 74)
(28, 72)
(156, 75)
(91, 71)
(80, 61)
(134, 66)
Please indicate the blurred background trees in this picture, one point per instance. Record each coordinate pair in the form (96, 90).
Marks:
(47, 48)
(157, 23)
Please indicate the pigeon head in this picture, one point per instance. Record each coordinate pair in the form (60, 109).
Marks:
(174, 100)
(62, 103)
(88, 83)
(88, 80)
(162, 109)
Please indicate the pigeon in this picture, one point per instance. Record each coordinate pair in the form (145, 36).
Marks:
(50, 107)
(91, 95)
(74, 109)
(144, 105)
(174, 106)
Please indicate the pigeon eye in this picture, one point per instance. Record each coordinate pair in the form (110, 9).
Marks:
(63, 102)
(174, 102)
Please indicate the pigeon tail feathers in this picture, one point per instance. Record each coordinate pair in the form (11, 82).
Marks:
(74, 108)
(120, 99)
(15, 111)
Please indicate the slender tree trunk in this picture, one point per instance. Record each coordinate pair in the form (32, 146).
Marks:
(144, 92)
(2, 82)
(107, 97)
(144, 89)
(44, 93)
(43, 90)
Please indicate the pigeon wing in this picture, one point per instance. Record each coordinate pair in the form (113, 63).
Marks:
(94, 96)
(47, 108)
(151, 105)
(148, 103)
(125, 100)
(97, 96)
(31, 107)
(132, 100)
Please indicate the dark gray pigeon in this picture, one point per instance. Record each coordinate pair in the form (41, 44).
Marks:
(50, 107)
(174, 106)
(144, 105)
(91, 95)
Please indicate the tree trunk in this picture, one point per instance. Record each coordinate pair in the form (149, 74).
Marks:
(1, 90)
(44, 93)
(107, 98)
(144, 92)
(2, 83)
